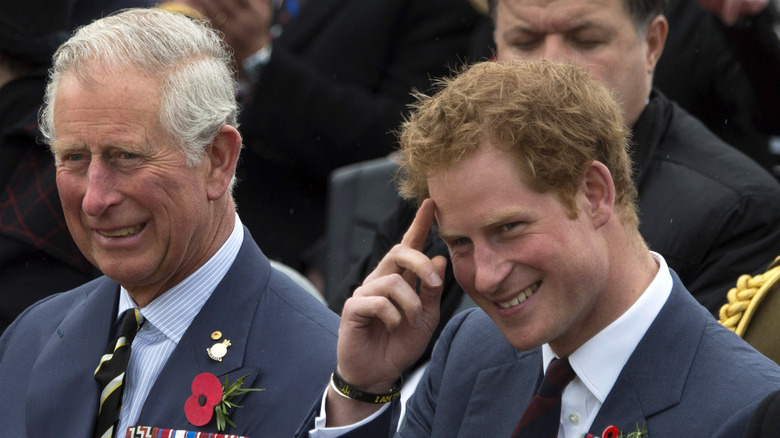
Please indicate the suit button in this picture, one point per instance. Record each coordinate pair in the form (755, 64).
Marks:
(574, 419)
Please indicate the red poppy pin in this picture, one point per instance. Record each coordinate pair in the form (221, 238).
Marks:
(210, 397)
(614, 432)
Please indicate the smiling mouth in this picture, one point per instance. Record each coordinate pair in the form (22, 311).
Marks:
(122, 232)
(524, 295)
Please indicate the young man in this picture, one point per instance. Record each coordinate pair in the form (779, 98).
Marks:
(526, 168)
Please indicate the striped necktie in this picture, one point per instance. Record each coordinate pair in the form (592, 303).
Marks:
(543, 414)
(110, 374)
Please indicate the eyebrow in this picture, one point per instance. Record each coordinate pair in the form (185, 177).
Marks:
(501, 217)
(498, 218)
(59, 147)
(527, 28)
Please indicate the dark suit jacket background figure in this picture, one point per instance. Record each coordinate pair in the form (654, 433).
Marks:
(333, 92)
(726, 76)
(84, 11)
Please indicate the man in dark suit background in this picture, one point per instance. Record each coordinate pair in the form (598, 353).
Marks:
(526, 168)
(141, 116)
(719, 63)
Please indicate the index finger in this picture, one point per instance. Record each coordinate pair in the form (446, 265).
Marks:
(417, 233)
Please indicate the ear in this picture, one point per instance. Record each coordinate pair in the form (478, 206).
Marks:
(222, 154)
(655, 38)
(599, 191)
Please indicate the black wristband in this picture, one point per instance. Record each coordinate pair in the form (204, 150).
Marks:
(344, 389)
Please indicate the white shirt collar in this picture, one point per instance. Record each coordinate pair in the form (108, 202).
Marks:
(600, 360)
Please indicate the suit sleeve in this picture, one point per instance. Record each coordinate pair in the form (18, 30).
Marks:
(737, 425)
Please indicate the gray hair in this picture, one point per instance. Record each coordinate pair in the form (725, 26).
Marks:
(193, 64)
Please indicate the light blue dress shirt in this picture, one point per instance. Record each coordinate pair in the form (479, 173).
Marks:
(166, 320)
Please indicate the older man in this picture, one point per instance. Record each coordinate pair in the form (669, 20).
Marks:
(141, 116)
(529, 181)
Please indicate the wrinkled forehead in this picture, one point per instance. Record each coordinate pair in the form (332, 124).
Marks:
(560, 12)
(105, 101)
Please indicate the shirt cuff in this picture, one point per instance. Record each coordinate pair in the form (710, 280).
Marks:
(320, 431)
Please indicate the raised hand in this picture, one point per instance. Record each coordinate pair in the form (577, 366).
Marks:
(386, 325)
(245, 24)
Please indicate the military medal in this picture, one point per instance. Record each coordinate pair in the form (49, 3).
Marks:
(218, 350)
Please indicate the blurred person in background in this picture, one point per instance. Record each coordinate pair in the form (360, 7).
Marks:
(720, 62)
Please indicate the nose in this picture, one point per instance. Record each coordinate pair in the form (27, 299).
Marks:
(555, 49)
(490, 270)
(101, 190)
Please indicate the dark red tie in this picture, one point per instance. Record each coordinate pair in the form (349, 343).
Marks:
(543, 414)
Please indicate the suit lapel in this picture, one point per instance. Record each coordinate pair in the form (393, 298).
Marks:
(230, 310)
(650, 384)
(509, 384)
(63, 398)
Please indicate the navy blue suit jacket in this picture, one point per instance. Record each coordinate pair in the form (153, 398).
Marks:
(686, 378)
(281, 336)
